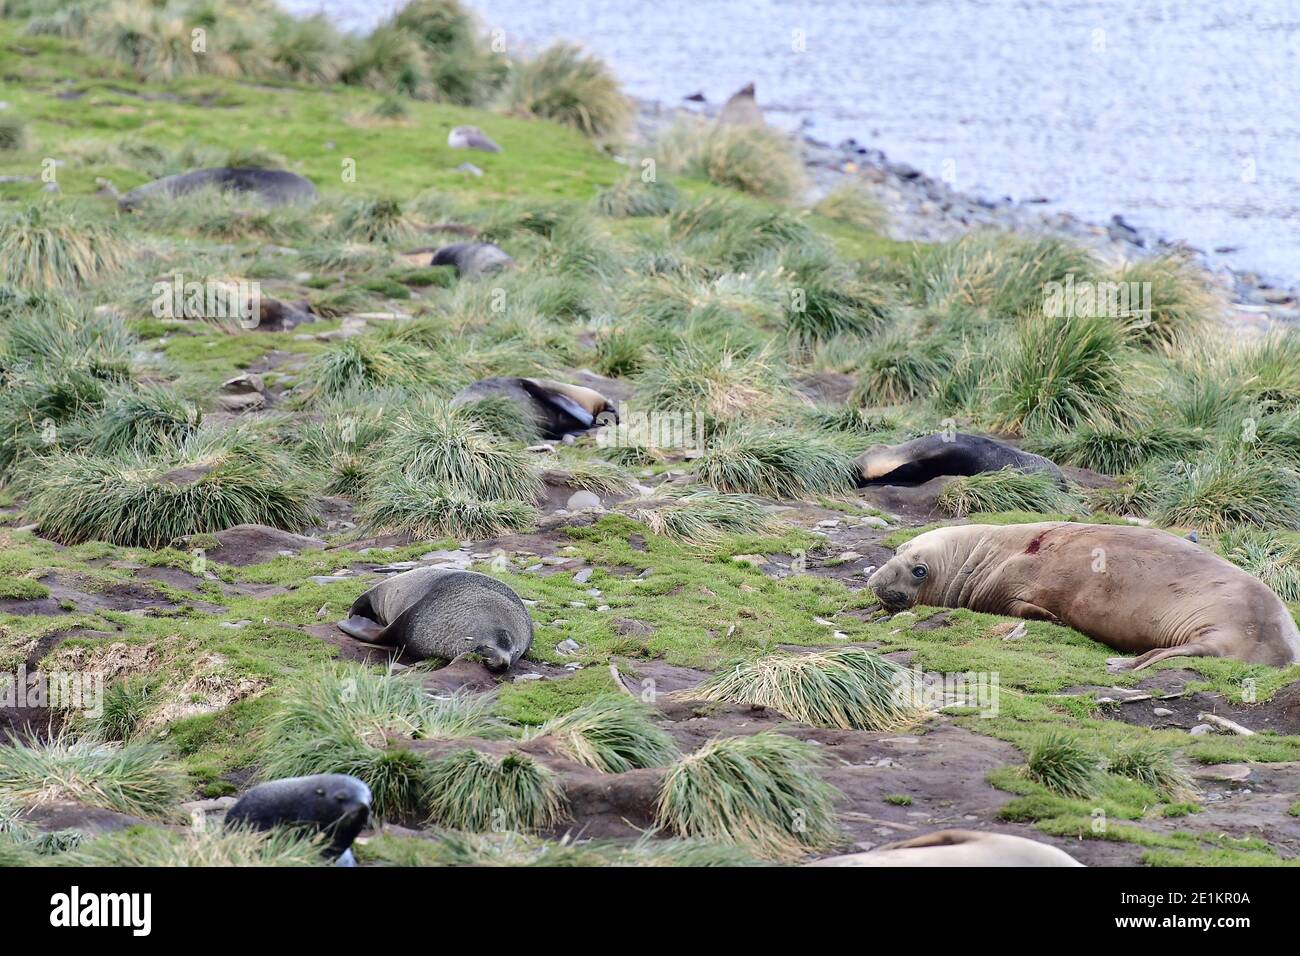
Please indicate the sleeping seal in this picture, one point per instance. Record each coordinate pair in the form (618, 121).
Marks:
(333, 803)
(958, 848)
(471, 137)
(437, 612)
(1138, 590)
(472, 258)
(556, 407)
(275, 187)
(919, 460)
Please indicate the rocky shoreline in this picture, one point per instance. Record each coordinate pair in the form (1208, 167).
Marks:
(924, 209)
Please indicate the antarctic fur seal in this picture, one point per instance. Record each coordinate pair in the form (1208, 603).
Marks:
(741, 109)
(439, 612)
(275, 187)
(335, 804)
(557, 408)
(919, 460)
(473, 258)
(471, 137)
(1139, 590)
(958, 848)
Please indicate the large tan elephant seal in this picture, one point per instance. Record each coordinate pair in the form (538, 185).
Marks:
(1139, 590)
(958, 848)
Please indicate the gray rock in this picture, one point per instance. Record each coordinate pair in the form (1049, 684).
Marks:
(583, 500)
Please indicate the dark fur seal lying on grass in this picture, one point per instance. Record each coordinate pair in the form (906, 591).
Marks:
(556, 407)
(921, 459)
(1138, 590)
(472, 258)
(436, 612)
(275, 187)
(333, 803)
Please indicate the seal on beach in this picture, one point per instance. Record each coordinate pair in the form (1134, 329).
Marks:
(1138, 590)
(472, 258)
(275, 187)
(332, 803)
(958, 848)
(921, 459)
(439, 612)
(471, 137)
(741, 109)
(557, 408)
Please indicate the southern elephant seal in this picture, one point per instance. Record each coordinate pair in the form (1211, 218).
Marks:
(471, 137)
(335, 804)
(557, 408)
(275, 187)
(922, 459)
(438, 612)
(958, 848)
(472, 258)
(1138, 590)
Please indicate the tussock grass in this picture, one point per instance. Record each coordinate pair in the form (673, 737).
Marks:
(1006, 490)
(1153, 765)
(718, 382)
(570, 87)
(1005, 275)
(1182, 300)
(306, 49)
(365, 362)
(843, 689)
(1117, 451)
(125, 704)
(1223, 490)
(1267, 556)
(761, 793)
(501, 416)
(134, 778)
(343, 444)
(57, 334)
(435, 443)
(775, 464)
(394, 504)
(13, 132)
(341, 719)
(632, 196)
(144, 418)
(826, 300)
(474, 791)
(43, 246)
(1063, 765)
(853, 202)
(207, 483)
(1063, 373)
(702, 517)
(735, 233)
(381, 220)
(610, 734)
(213, 213)
(213, 846)
(754, 160)
(1267, 370)
(897, 368)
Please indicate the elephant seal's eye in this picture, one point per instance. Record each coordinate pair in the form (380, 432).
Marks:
(919, 572)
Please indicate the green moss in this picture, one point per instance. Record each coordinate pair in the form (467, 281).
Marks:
(22, 589)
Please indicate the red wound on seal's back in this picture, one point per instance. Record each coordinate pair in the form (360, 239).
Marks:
(1033, 545)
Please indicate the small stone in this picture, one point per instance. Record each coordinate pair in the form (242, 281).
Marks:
(583, 576)
(754, 559)
(583, 500)
(554, 559)
(603, 607)
(526, 677)
(1225, 772)
(568, 647)
(323, 612)
(874, 521)
(534, 567)
(577, 604)
(829, 523)
(1162, 712)
(1201, 730)
(848, 556)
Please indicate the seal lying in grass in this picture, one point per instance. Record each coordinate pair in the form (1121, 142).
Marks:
(471, 137)
(472, 258)
(556, 407)
(958, 848)
(1138, 590)
(275, 187)
(333, 803)
(437, 612)
(921, 459)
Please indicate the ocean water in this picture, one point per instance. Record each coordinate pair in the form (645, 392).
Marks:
(1181, 115)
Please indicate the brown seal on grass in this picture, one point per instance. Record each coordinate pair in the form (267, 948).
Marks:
(1139, 590)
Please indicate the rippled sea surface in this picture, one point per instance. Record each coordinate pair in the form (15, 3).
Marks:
(1183, 116)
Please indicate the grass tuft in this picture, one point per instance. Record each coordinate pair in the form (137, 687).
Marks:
(754, 160)
(1154, 766)
(42, 246)
(775, 464)
(1006, 490)
(610, 734)
(564, 84)
(479, 792)
(1063, 765)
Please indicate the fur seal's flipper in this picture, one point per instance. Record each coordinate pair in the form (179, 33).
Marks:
(364, 629)
(582, 417)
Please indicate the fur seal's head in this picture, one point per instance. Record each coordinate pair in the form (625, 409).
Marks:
(916, 571)
(336, 804)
